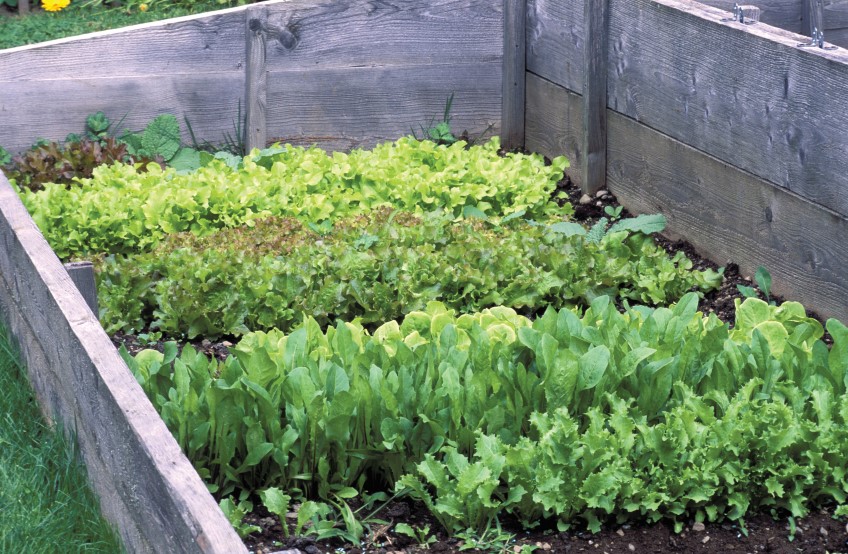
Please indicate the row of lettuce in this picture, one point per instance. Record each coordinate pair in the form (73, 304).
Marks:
(576, 416)
(381, 298)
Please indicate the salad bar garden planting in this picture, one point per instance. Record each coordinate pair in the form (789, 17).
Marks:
(428, 323)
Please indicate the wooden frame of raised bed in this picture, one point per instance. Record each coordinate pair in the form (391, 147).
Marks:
(733, 131)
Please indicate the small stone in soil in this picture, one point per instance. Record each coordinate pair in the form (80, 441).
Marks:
(698, 527)
(601, 193)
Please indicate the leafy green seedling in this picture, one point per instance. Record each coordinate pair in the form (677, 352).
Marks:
(277, 502)
(492, 539)
(5, 156)
(613, 213)
(644, 223)
(235, 515)
(763, 279)
(421, 535)
(97, 126)
(441, 132)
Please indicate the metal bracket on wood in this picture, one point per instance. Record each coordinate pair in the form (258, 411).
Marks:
(747, 14)
(816, 27)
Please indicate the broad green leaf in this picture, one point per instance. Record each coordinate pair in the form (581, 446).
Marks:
(592, 366)
(162, 136)
(568, 228)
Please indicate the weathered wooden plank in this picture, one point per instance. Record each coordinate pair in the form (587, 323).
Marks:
(594, 162)
(82, 274)
(256, 78)
(307, 34)
(835, 14)
(555, 123)
(555, 41)
(146, 486)
(728, 214)
(52, 109)
(786, 14)
(744, 94)
(514, 71)
(342, 108)
(302, 33)
(196, 43)
(839, 37)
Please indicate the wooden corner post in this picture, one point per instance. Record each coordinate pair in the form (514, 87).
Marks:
(594, 141)
(255, 78)
(514, 67)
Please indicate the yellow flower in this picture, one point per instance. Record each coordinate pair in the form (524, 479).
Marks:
(54, 5)
(142, 7)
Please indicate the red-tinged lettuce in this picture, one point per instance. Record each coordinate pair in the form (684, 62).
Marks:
(377, 268)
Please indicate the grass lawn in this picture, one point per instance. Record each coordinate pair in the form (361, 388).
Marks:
(39, 25)
(45, 502)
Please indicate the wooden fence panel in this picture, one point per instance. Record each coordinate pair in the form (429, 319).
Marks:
(52, 109)
(348, 73)
(555, 41)
(146, 486)
(191, 67)
(201, 43)
(419, 51)
(744, 94)
(555, 123)
(727, 213)
(342, 108)
(317, 34)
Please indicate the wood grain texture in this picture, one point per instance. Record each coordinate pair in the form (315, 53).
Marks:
(838, 37)
(728, 214)
(595, 61)
(52, 109)
(786, 14)
(514, 74)
(146, 487)
(555, 41)
(555, 123)
(835, 14)
(256, 78)
(306, 34)
(196, 67)
(743, 94)
(196, 43)
(342, 108)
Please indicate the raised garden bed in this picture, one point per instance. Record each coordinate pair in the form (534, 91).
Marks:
(780, 346)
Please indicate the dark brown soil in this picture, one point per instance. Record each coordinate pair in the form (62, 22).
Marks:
(818, 533)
